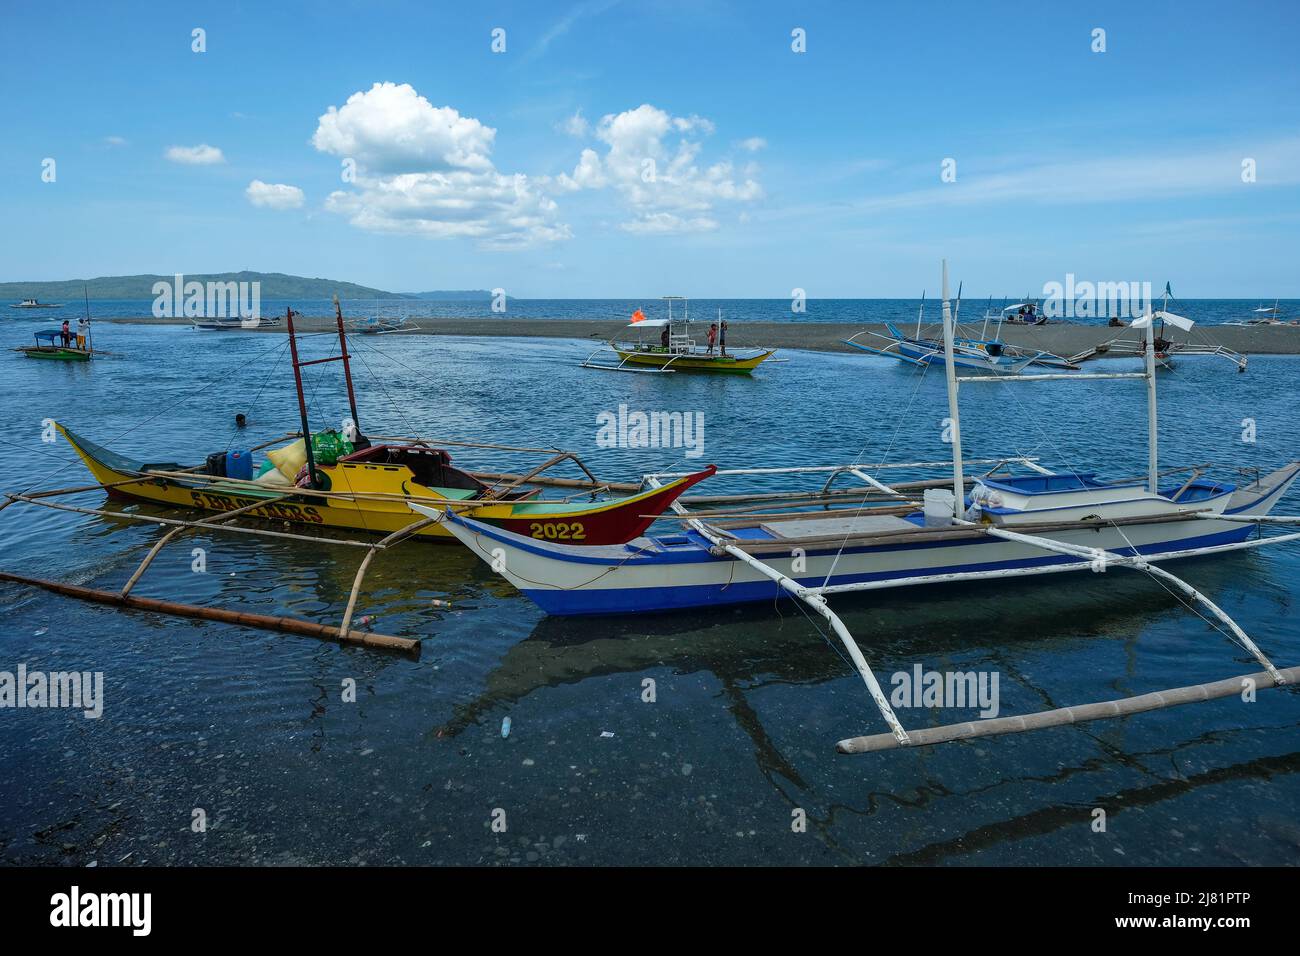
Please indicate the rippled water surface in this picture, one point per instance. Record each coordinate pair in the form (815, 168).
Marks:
(250, 727)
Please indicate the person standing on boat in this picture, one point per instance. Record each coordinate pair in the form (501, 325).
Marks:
(713, 337)
(66, 333)
(663, 338)
(83, 330)
(722, 338)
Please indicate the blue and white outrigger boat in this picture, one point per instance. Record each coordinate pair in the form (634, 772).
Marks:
(993, 526)
(980, 353)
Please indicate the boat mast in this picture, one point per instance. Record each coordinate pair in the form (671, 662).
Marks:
(302, 399)
(347, 364)
(90, 346)
(950, 374)
(1153, 471)
(919, 313)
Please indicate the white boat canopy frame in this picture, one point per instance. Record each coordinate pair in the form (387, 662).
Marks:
(1087, 559)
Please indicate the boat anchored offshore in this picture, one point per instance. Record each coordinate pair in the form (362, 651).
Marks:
(34, 304)
(1003, 527)
(378, 326)
(49, 345)
(1265, 315)
(235, 323)
(676, 349)
(979, 353)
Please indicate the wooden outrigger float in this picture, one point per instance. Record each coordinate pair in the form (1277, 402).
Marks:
(1003, 527)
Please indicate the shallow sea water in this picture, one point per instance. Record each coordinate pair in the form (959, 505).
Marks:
(250, 727)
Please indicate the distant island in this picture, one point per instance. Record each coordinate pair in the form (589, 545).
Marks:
(464, 295)
(275, 285)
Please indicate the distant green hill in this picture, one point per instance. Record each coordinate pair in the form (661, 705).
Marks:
(464, 295)
(275, 285)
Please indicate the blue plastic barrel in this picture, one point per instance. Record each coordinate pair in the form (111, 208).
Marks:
(239, 464)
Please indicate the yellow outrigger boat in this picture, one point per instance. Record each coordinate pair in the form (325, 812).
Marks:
(370, 490)
(369, 486)
(676, 350)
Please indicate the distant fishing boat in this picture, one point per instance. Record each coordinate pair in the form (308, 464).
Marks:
(1024, 313)
(34, 304)
(676, 350)
(49, 345)
(1265, 315)
(377, 326)
(978, 353)
(1165, 348)
(236, 324)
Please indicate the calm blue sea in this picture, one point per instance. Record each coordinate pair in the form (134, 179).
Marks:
(1204, 311)
(252, 728)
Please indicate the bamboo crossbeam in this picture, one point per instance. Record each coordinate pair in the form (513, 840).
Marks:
(880, 466)
(288, 625)
(148, 558)
(1122, 707)
(154, 551)
(400, 535)
(152, 519)
(815, 601)
(489, 477)
(741, 518)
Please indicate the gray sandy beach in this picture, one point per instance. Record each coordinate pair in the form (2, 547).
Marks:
(1060, 338)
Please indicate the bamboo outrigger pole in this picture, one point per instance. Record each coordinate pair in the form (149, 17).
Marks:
(1101, 710)
(289, 625)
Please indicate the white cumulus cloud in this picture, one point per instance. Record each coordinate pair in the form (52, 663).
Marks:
(427, 170)
(753, 144)
(274, 195)
(393, 129)
(201, 155)
(656, 167)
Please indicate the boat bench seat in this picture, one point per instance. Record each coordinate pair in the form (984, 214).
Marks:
(814, 526)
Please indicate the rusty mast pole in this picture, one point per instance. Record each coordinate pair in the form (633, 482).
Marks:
(302, 400)
(347, 365)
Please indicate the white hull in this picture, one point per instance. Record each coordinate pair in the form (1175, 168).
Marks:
(679, 571)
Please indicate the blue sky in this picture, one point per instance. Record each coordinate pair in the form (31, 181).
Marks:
(772, 169)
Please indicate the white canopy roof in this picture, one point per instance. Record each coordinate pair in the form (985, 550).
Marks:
(1181, 321)
(648, 324)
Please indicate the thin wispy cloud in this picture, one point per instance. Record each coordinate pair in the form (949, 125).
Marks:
(1158, 175)
(201, 155)
(589, 8)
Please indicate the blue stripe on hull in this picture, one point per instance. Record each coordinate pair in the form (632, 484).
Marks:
(638, 600)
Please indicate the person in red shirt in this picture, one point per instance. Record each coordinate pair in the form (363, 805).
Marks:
(713, 336)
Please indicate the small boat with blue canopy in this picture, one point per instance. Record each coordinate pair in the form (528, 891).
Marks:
(49, 345)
